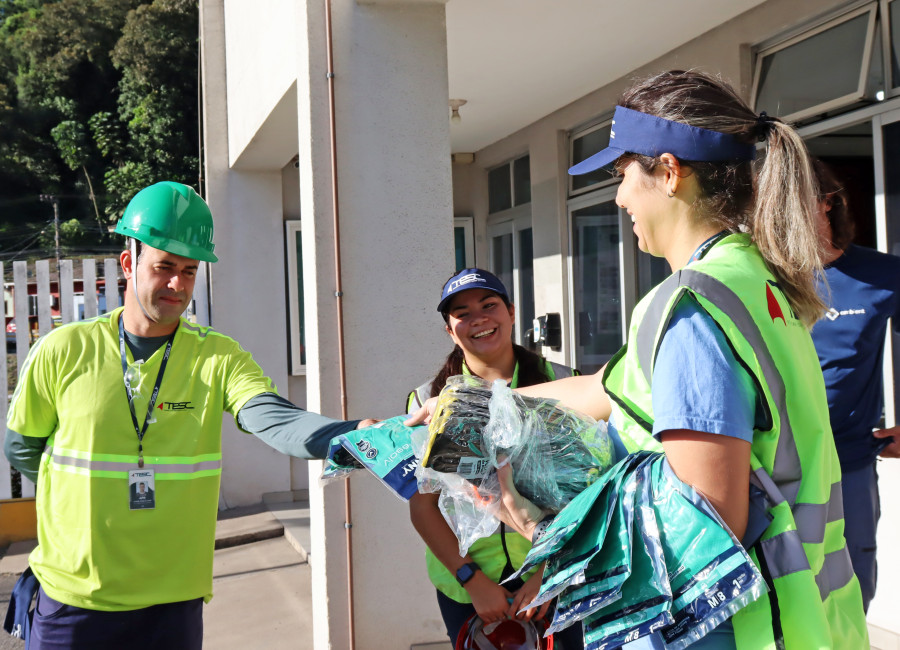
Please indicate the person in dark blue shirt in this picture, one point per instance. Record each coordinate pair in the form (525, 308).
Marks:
(862, 295)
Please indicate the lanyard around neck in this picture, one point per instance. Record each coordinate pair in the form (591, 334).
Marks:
(140, 431)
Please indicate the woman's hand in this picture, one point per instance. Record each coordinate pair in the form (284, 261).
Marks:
(423, 415)
(490, 600)
(367, 423)
(516, 511)
(526, 594)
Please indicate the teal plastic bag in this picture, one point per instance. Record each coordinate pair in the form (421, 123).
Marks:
(646, 596)
(711, 574)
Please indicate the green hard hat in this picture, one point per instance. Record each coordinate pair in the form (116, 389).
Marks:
(171, 217)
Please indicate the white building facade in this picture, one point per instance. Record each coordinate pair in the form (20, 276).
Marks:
(327, 121)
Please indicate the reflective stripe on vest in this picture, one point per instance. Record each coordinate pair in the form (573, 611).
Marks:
(166, 468)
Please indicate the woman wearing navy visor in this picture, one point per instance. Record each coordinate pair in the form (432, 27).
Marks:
(479, 318)
(719, 370)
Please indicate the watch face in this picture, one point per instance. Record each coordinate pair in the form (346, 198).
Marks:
(465, 573)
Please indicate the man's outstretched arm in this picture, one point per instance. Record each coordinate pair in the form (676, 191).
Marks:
(286, 427)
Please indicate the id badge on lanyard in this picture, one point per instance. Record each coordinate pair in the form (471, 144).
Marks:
(141, 481)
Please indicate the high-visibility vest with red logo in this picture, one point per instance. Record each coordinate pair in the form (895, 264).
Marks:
(814, 600)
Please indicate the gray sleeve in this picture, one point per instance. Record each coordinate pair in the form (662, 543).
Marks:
(288, 428)
(24, 453)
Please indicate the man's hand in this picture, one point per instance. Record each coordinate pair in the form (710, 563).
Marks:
(526, 594)
(423, 415)
(516, 511)
(893, 449)
(366, 423)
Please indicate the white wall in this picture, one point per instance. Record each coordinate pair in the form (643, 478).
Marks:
(393, 158)
(261, 40)
(247, 299)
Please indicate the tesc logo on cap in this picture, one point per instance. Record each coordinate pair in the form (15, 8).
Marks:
(466, 279)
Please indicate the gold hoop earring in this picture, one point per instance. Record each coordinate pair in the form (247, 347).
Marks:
(670, 194)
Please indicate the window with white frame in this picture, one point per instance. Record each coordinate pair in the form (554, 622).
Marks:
(512, 260)
(583, 144)
(464, 242)
(511, 250)
(296, 326)
(835, 64)
(509, 185)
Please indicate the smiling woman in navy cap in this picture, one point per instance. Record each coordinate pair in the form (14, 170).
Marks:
(719, 371)
(479, 318)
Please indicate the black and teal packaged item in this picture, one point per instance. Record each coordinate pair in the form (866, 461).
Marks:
(384, 449)
(555, 452)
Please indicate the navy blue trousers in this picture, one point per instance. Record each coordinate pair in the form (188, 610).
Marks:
(173, 626)
(862, 510)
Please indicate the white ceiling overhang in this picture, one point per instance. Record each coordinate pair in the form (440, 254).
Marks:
(515, 61)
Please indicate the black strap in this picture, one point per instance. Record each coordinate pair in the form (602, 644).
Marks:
(777, 631)
(508, 569)
(129, 393)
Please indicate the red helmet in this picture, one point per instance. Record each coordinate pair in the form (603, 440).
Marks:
(510, 634)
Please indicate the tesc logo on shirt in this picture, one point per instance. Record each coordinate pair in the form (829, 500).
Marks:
(175, 406)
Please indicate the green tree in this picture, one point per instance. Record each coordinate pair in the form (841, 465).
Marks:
(94, 94)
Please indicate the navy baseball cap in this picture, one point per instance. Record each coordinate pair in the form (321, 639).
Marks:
(471, 279)
(636, 132)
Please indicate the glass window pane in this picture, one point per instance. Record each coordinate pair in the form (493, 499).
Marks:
(651, 271)
(502, 261)
(598, 297)
(891, 137)
(894, 10)
(300, 311)
(816, 70)
(584, 147)
(459, 243)
(522, 180)
(499, 191)
(525, 306)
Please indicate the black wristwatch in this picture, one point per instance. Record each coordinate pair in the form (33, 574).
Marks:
(466, 572)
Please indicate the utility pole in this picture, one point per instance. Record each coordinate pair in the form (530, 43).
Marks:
(51, 198)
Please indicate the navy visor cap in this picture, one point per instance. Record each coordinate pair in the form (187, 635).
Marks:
(641, 133)
(471, 279)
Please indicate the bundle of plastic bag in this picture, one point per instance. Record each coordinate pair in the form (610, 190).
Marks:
(555, 453)
(640, 553)
(385, 449)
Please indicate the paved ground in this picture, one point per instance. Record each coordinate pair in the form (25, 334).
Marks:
(259, 566)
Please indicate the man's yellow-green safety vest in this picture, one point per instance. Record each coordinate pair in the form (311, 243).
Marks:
(93, 550)
(488, 552)
(814, 599)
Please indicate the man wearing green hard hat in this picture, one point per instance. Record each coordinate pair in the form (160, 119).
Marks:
(117, 566)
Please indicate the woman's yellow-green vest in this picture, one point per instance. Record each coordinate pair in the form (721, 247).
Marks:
(814, 598)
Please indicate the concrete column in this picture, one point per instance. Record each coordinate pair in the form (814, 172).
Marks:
(547, 151)
(247, 298)
(395, 204)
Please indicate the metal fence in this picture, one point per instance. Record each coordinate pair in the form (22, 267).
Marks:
(33, 314)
